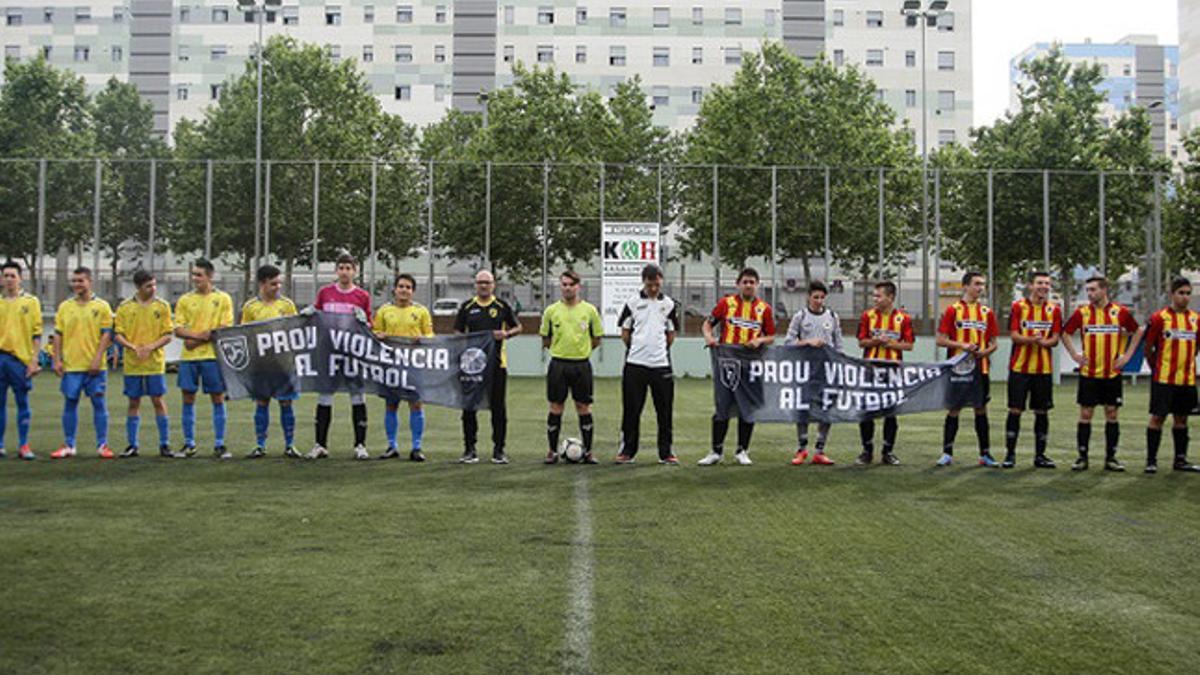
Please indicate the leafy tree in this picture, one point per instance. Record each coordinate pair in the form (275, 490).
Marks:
(1181, 235)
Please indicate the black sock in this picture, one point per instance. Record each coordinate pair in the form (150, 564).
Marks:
(358, 415)
(1180, 436)
(1012, 430)
(1112, 437)
(1153, 440)
(822, 436)
(324, 415)
(720, 428)
(866, 433)
(745, 431)
(1041, 433)
(1083, 437)
(553, 428)
(981, 434)
(802, 435)
(890, 427)
(586, 429)
(949, 431)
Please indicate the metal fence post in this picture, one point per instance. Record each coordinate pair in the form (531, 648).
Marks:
(374, 194)
(208, 196)
(881, 225)
(316, 220)
(546, 229)
(937, 242)
(1103, 234)
(487, 216)
(429, 233)
(716, 242)
(1046, 220)
(153, 209)
(1158, 243)
(266, 216)
(96, 226)
(991, 236)
(39, 281)
(774, 236)
(828, 220)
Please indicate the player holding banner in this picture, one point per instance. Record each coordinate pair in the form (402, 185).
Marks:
(82, 334)
(343, 297)
(1034, 326)
(815, 325)
(1105, 326)
(403, 318)
(20, 333)
(969, 326)
(272, 304)
(1171, 350)
(884, 334)
(143, 327)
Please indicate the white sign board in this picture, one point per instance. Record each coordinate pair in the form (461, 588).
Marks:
(625, 248)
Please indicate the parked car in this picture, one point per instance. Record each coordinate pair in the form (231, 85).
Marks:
(445, 306)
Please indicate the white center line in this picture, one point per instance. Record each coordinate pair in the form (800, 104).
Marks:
(578, 655)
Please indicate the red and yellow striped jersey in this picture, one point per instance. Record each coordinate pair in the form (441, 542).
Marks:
(972, 323)
(895, 325)
(1171, 346)
(1034, 320)
(1106, 332)
(742, 320)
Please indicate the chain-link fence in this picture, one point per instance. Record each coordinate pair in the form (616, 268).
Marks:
(443, 221)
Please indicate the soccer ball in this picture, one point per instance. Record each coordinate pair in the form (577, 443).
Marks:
(571, 450)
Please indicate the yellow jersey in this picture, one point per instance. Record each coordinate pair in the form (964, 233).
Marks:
(20, 325)
(143, 323)
(411, 321)
(257, 310)
(80, 326)
(199, 313)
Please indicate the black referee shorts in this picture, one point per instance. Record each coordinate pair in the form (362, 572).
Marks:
(1172, 399)
(1094, 391)
(1037, 390)
(565, 376)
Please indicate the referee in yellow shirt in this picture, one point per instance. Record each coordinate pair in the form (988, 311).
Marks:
(20, 331)
(571, 329)
(143, 327)
(403, 318)
(271, 304)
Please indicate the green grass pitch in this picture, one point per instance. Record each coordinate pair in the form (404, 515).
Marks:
(274, 566)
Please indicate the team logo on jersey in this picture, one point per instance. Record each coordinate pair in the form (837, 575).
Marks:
(492, 312)
(473, 361)
(236, 351)
(730, 373)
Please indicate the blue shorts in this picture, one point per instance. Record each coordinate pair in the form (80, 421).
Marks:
(194, 373)
(74, 384)
(12, 373)
(291, 395)
(137, 386)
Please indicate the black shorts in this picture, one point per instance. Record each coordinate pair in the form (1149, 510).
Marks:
(969, 390)
(1094, 391)
(572, 376)
(1037, 390)
(1172, 399)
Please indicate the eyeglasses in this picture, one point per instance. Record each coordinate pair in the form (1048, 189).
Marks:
(484, 283)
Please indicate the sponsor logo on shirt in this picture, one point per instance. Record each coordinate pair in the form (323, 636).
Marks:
(970, 324)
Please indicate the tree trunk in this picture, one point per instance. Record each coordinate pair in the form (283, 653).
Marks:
(115, 262)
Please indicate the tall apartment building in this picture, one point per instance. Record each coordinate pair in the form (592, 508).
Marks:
(1137, 71)
(424, 56)
(1189, 65)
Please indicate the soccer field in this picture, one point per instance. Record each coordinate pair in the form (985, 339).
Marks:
(162, 566)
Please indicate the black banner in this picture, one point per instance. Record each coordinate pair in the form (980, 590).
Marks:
(820, 384)
(327, 353)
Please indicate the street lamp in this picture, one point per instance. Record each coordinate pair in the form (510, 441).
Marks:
(923, 18)
(260, 9)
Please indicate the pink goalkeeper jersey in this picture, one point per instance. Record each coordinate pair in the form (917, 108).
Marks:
(336, 301)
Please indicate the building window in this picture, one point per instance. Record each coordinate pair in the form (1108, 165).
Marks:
(439, 15)
(839, 57)
(662, 17)
(874, 57)
(118, 15)
(660, 96)
(733, 56)
(83, 14)
(616, 55)
(368, 54)
(580, 54)
(439, 92)
(733, 16)
(545, 16)
(581, 16)
(945, 60)
(910, 59)
(910, 98)
(1126, 70)
(697, 56)
(48, 15)
(439, 53)
(874, 18)
(333, 15)
(184, 53)
(47, 51)
(662, 56)
(12, 17)
(697, 16)
(334, 52)
(839, 17)
(404, 14)
(181, 93)
(368, 13)
(220, 15)
(616, 17)
(945, 137)
(218, 53)
(185, 14)
(946, 99)
(82, 54)
(509, 15)
(403, 92)
(118, 54)
(545, 54)
(291, 16)
(945, 22)
(880, 95)
(215, 91)
(12, 52)
(697, 95)
(403, 53)
(508, 53)
(770, 17)
(1104, 69)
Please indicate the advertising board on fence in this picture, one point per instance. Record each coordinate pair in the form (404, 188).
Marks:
(625, 248)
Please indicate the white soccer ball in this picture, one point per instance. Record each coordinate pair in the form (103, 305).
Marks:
(571, 450)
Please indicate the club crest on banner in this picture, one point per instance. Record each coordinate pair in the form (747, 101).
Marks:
(730, 373)
(965, 366)
(473, 361)
(236, 351)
